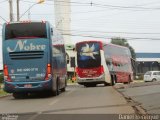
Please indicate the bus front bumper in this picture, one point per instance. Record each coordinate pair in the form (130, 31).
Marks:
(12, 87)
(98, 80)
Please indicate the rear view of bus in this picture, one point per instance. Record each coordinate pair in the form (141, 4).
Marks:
(27, 57)
(90, 71)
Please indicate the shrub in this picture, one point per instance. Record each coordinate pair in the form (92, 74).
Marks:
(1, 78)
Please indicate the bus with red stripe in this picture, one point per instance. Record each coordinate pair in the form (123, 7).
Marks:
(34, 58)
(102, 63)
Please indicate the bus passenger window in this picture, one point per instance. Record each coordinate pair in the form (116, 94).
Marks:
(51, 31)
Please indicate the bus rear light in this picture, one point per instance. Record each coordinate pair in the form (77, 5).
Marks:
(6, 74)
(48, 72)
(101, 70)
(101, 45)
(49, 68)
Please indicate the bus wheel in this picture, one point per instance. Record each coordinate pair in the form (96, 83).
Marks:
(93, 85)
(56, 92)
(64, 89)
(86, 85)
(112, 80)
(106, 84)
(57, 86)
(19, 95)
(90, 85)
(129, 79)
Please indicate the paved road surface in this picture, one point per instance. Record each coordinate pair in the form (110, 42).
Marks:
(76, 100)
(146, 94)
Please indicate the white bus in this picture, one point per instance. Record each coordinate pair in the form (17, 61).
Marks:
(99, 62)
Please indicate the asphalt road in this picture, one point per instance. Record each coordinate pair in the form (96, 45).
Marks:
(76, 100)
(147, 95)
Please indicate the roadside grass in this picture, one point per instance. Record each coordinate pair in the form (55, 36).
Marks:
(2, 92)
(137, 81)
(71, 81)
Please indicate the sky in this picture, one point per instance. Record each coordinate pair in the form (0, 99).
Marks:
(136, 20)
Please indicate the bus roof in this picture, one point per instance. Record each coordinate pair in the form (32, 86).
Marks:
(25, 21)
(88, 41)
(115, 45)
(104, 43)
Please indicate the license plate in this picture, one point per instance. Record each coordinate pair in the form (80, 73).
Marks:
(28, 86)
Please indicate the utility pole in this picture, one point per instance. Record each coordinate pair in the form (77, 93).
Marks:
(11, 10)
(63, 18)
(17, 10)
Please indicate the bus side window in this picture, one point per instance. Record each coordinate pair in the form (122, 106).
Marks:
(51, 31)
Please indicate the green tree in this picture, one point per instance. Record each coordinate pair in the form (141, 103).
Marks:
(123, 42)
(1, 78)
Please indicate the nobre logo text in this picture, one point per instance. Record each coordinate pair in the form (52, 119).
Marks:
(22, 46)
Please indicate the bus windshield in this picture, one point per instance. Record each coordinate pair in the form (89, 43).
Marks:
(25, 30)
(88, 55)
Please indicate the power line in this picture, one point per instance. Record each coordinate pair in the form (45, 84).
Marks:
(3, 19)
(131, 8)
(113, 32)
(54, 3)
(108, 6)
(109, 37)
(150, 3)
(113, 6)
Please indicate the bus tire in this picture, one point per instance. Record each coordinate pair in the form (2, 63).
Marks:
(93, 85)
(86, 85)
(56, 91)
(129, 79)
(16, 95)
(57, 86)
(19, 95)
(90, 85)
(64, 88)
(115, 79)
(105, 84)
(112, 80)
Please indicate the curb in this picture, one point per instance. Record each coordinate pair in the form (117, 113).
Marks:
(3, 96)
(136, 105)
(140, 110)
